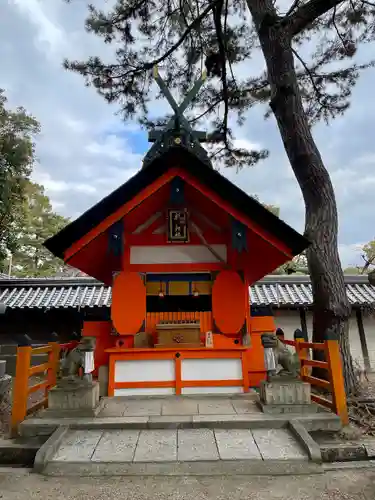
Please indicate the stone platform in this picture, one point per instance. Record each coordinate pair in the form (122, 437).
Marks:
(236, 412)
(180, 436)
(174, 452)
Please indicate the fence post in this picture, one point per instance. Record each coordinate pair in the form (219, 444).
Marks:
(300, 336)
(336, 376)
(20, 388)
(53, 361)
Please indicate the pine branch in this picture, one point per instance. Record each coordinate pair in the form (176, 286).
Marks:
(293, 7)
(307, 14)
(175, 46)
(218, 11)
(310, 75)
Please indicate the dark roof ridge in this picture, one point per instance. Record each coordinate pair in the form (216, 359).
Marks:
(224, 188)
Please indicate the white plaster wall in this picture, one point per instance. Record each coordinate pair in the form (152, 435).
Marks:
(212, 390)
(289, 320)
(369, 326)
(145, 370)
(211, 369)
(145, 391)
(176, 254)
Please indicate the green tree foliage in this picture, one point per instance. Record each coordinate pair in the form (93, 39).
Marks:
(368, 260)
(272, 208)
(351, 270)
(298, 265)
(368, 257)
(17, 129)
(38, 223)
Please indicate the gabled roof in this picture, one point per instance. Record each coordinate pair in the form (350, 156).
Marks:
(87, 293)
(205, 175)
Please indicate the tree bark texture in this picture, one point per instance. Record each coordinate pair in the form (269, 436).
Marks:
(331, 309)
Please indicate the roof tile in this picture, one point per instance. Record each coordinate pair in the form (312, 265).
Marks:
(61, 293)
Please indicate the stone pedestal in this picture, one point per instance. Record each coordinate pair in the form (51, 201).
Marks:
(3, 365)
(103, 375)
(5, 402)
(286, 396)
(73, 399)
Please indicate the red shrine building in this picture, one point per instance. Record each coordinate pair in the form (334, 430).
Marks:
(180, 245)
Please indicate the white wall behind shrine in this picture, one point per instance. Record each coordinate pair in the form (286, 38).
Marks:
(289, 320)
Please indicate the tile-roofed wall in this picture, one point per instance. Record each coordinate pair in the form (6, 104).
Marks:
(85, 292)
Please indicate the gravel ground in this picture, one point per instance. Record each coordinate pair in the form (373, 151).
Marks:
(338, 485)
(5, 412)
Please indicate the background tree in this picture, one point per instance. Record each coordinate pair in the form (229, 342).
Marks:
(368, 260)
(298, 265)
(17, 157)
(272, 208)
(308, 48)
(38, 222)
(368, 257)
(351, 270)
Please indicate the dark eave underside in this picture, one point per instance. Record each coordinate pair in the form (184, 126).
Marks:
(207, 176)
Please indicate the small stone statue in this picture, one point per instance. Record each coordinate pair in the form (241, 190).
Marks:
(289, 361)
(277, 353)
(74, 360)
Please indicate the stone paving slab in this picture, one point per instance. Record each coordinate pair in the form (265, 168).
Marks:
(112, 409)
(236, 444)
(278, 444)
(142, 408)
(185, 445)
(212, 407)
(243, 407)
(78, 446)
(116, 446)
(156, 446)
(369, 446)
(180, 407)
(196, 445)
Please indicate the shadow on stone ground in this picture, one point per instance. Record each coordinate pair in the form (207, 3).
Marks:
(338, 485)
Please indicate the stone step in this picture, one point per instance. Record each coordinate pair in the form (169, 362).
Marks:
(175, 452)
(313, 422)
(20, 451)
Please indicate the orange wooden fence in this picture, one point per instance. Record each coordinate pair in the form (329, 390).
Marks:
(21, 388)
(335, 383)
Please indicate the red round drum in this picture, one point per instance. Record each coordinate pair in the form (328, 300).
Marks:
(229, 302)
(128, 308)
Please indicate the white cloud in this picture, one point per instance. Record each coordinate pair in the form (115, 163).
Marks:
(50, 37)
(85, 152)
(350, 255)
(82, 149)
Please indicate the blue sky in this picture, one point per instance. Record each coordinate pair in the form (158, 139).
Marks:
(137, 140)
(85, 150)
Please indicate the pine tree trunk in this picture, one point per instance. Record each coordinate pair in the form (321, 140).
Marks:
(331, 309)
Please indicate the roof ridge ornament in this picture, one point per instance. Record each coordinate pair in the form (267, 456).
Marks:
(177, 132)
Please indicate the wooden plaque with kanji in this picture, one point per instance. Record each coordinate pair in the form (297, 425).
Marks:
(178, 230)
